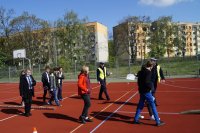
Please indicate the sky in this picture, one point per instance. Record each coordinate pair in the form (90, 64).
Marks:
(107, 12)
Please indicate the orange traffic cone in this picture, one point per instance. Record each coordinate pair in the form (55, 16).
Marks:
(35, 130)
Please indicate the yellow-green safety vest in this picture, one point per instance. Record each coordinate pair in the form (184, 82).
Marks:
(158, 73)
(102, 75)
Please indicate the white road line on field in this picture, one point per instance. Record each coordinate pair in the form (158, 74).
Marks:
(180, 86)
(113, 112)
(165, 113)
(101, 111)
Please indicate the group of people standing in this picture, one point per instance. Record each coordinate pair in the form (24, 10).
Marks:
(52, 85)
(148, 77)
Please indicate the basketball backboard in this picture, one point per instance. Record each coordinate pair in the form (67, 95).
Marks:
(20, 53)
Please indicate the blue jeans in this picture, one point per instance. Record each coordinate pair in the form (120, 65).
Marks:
(149, 98)
(55, 91)
(54, 96)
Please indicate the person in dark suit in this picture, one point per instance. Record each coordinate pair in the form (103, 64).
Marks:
(27, 90)
(46, 82)
(60, 77)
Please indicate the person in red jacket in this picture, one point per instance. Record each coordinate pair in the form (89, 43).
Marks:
(84, 89)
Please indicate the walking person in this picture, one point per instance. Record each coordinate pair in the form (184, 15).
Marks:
(157, 77)
(53, 87)
(46, 82)
(145, 86)
(27, 90)
(101, 78)
(84, 90)
(60, 77)
(22, 74)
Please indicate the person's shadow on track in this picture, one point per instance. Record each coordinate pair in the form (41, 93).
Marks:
(12, 111)
(60, 116)
(12, 103)
(114, 117)
(119, 117)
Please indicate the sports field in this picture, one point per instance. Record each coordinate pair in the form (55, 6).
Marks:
(174, 98)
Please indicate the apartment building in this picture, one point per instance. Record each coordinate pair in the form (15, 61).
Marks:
(131, 38)
(190, 34)
(99, 39)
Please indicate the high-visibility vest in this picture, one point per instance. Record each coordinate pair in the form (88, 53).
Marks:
(158, 73)
(102, 75)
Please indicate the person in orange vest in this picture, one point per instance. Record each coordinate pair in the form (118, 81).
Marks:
(157, 76)
(101, 78)
(84, 90)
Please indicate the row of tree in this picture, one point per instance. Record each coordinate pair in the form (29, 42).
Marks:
(61, 42)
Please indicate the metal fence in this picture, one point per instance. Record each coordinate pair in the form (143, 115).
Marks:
(172, 67)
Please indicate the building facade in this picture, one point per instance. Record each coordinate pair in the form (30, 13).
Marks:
(133, 37)
(99, 39)
(190, 34)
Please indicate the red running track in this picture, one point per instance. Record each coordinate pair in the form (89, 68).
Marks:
(174, 96)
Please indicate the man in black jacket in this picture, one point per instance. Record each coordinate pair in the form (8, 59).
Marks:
(145, 86)
(157, 76)
(46, 82)
(27, 90)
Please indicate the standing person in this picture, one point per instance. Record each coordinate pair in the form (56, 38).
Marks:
(84, 90)
(53, 87)
(145, 85)
(27, 88)
(60, 77)
(157, 76)
(101, 78)
(22, 74)
(46, 82)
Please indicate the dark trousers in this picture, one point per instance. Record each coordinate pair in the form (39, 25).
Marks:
(153, 91)
(60, 92)
(87, 104)
(45, 94)
(103, 89)
(28, 102)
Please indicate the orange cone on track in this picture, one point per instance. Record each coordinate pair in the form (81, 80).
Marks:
(35, 130)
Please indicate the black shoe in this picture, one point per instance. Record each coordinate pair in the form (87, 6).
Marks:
(82, 120)
(87, 119)
(101, 99)
(160, 124)
(29, 114)
(136, 122)
(26, 114)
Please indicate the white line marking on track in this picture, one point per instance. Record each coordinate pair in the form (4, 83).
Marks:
(113, 113)
(180, 86)
(165, 113)
(101, 111)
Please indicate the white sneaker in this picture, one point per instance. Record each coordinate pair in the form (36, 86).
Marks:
(141, 117)
(23, 104)
(153, 118)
